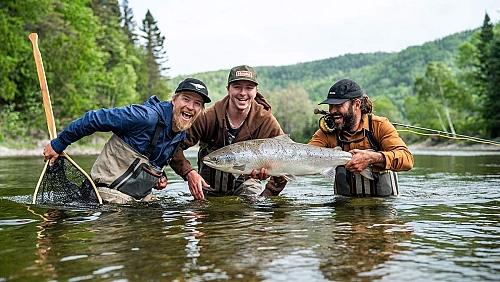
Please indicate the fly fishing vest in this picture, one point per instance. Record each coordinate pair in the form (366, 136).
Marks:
(121, 167)
(384, 183)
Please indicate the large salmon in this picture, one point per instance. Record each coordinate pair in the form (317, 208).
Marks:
(281, 156)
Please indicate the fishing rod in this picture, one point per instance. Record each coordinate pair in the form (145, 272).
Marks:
(434, 132)
(446, 134)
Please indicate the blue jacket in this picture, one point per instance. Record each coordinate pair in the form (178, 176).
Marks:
(134, 124)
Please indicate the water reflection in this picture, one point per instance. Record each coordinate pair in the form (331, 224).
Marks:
(443, 227)
(366, 236)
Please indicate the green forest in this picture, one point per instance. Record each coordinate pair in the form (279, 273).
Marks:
(97, 54)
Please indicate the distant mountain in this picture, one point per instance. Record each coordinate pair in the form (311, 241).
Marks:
(380, 74)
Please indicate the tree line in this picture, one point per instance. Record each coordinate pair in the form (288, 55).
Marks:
(465, 101)
(95, 55)
(449, 85)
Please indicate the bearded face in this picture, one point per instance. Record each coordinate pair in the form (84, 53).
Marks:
(346, 120)
(186, 108)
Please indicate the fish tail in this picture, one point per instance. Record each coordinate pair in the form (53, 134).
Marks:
(367, 172)
(329, 173)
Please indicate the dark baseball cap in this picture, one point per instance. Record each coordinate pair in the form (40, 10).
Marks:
(243, 72)
(194, 85)
(342, 91)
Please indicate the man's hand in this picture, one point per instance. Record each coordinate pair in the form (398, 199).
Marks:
(196, 184)
(361, 159)
(261, 174)
(49, 154)
(162, 183)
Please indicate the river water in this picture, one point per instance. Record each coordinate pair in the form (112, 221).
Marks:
(444, 226)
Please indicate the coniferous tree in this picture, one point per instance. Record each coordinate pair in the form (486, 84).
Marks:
(118, 87)
(480, 70)
(492, 95)
(485, 37)
(128, 24)
(155, 57)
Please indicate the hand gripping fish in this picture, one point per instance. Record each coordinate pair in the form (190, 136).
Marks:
(281, 156)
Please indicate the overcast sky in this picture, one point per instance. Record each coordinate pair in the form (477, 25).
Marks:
(203, 35)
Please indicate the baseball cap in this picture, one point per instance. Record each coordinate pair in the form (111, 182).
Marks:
(242, 72)
(342, 91)
(194, 85)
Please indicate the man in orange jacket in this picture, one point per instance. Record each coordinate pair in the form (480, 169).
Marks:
(372, 140)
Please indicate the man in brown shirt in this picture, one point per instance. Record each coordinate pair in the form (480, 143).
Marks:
(243, 114)
(372, 140)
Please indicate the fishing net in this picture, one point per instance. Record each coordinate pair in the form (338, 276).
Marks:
(64, 183)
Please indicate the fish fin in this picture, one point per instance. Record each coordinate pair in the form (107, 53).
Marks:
(290, 177)
(367, 172)
(240, 167)
(329, 173)
(284, 137)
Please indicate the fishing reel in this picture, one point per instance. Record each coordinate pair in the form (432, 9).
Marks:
(326, 122)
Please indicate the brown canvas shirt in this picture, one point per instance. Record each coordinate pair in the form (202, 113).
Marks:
(397, 155)
(259, 124)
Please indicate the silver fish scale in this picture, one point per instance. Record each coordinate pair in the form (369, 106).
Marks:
(285, 157)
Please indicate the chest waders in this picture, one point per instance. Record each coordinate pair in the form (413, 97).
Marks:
(222, 183)
(121, 167)
(384, 183)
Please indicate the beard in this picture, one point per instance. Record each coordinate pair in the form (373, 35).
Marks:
(348, 121)
(179, 122)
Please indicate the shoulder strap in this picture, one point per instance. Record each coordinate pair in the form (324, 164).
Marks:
(371, 138)
(213, 138)
(369, 133)
(156, 134)
(339, 142)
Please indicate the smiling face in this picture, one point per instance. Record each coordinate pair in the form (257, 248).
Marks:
(346, 115)
(187, 107)
(241, 93)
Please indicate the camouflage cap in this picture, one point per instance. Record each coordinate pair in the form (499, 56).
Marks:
(242, 72)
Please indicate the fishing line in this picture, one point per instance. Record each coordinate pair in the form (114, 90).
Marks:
(324, 125)
(444, 134)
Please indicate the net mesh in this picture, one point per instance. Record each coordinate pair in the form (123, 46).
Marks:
(64, 183)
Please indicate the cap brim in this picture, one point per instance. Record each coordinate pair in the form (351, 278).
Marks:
(247, 79)
(205, 98)
(332, 101)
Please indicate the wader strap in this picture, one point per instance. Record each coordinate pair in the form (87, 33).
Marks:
(369, 133)
(371, 137)
(213, 138)
(156, 134)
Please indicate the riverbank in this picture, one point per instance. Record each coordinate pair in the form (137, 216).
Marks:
(95, 149)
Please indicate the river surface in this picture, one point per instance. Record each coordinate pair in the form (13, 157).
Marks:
(444, 226)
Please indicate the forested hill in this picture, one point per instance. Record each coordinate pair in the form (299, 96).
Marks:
(380, 74)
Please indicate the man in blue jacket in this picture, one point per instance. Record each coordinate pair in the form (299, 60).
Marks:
(145, 137)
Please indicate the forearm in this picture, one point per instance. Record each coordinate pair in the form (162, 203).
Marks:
(378, 159)
(274, 186)
(180, 164)
(398, 160)
(397, 155)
